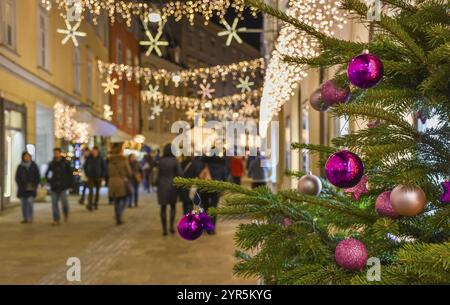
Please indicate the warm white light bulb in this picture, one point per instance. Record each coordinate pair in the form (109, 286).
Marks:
(154, 17)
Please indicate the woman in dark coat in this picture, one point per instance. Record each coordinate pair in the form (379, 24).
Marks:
(27, 179)
(168, 169)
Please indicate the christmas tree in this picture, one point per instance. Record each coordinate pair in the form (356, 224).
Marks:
(299, 237)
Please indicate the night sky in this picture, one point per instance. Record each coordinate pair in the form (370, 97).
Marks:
(249, 22)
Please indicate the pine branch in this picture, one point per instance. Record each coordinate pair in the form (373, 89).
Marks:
(388, 24)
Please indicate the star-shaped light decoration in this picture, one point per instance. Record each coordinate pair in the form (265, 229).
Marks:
(156, 110)
(153, 92)
(206, 91)
(445, 197)
(107, 112)
(153, 43)
(71, 33)
(358, 189)
(248, 108)
(110, 85)
(245, 84)
(191, 113)
(231, 31)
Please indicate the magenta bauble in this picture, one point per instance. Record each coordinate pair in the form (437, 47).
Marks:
(333, 94)
(207, 222)
(445, 196)
(344, 169)
(365, 71)
(384, 207)
(351, 254)
(190, 227)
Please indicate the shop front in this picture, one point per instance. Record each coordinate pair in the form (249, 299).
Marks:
(13, 139)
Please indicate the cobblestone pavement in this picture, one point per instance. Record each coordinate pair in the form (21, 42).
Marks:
(134, 253)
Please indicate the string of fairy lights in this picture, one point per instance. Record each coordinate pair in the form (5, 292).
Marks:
(144, 10)
(281, 77)
(195, 76)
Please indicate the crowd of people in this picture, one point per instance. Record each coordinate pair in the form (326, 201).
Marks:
(124, 176)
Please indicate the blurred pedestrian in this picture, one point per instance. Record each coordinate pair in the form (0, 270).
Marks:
(94, 168)
(236, 169)
(84, 179)
(147, 168)
(60, 176)
(135, 181)
(119, 175)
(257, 173)
(168, 169)
(215, 168)
(27, 179)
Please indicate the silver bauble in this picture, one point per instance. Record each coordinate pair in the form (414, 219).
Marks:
(316, 101)
(309, 185)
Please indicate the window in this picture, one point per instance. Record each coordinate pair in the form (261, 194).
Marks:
(129, 57)
(213, 48)
(89, 79)
(119, 52)
(8, 7)
(105, 30)
(136, 61)
(43, 39)
(129, 112)
(76, 70)
(136, 116)
(119, 110)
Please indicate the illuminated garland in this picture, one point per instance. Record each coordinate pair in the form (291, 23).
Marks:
(126, 9)
(182, 102)
(282, 77)
(66, 127)
(196, 75)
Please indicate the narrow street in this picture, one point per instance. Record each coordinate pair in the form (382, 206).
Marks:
(134, 253)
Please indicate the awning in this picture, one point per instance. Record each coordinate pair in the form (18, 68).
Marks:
(97, 127)
(120, 136)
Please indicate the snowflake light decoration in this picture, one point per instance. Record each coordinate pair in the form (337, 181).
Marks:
(153, 43)
(191, 113)
(153, 92)
(248, 108)
(231, 31)
(71, 32)
(110, 85)
(206, 91)
(245, 84)
(156, 110)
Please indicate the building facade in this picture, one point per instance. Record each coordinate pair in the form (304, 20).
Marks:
(125, 104)
(36, 72)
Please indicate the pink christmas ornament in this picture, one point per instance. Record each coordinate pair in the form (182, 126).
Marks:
(384, 207)
(351, 254)
(358, 189)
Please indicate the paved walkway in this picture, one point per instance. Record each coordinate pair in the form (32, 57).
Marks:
(134, 253)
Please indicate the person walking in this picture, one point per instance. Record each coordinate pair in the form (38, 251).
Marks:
(60, 176)
(84, 179)
(95, 171)
(257, 173)
(215, 168)
(27, 179)
(135, 181)
(119, 174)
(236, 169)
(168, 169)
